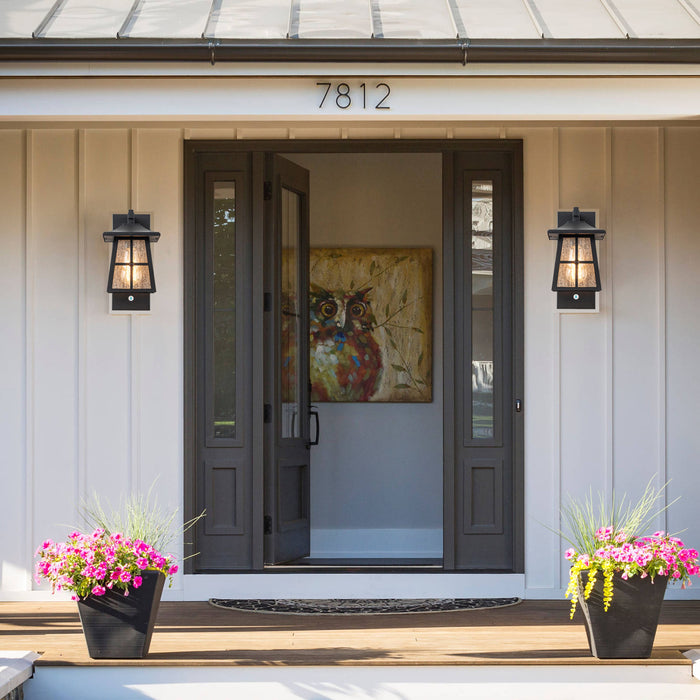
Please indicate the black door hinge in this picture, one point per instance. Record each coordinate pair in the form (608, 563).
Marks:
(267, 190)
(267, 413)
(267, 525)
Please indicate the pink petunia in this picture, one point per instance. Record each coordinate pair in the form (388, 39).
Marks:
(98, 590)
(137, 581)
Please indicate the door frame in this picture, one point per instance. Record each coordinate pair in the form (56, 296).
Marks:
(258, 149)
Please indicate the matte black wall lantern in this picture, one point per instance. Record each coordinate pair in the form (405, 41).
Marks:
(576, 274)
(131, 280)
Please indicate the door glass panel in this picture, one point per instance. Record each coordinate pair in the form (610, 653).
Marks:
(482, 350)
(224, 309)
(290, 320)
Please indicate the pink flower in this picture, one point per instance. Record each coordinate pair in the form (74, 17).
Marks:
(98, 590)
(142, 563)
(570, 553)
(137, 581)
(173, 569)
(125, 576)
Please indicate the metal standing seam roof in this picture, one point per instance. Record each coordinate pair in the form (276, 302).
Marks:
(547, 23)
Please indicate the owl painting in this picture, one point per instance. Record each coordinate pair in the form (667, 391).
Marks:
(370, 324)
(346, 361)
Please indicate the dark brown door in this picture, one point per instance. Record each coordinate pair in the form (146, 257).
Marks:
(287, 454)
(487, 486)
(218, 369)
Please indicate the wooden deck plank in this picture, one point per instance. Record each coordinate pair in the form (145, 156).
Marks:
(196, 633)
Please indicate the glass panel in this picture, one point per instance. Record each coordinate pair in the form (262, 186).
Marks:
(289, 321)
(224, 309)
(123, 250)
(567, 275)
(482, 350)
(142, 277)
(139, 251)
(586, 275)
(122, 277)
(584, 250)
(568, 249)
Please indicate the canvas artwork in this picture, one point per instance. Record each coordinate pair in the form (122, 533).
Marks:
(370, 324)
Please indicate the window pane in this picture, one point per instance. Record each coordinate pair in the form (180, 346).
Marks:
(289, 305)
(223, 311)
(482, 350)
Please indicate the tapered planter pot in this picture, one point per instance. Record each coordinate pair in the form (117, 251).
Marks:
(628, 628)
(118, 626)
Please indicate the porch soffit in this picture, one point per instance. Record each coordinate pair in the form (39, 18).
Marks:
(405, 30)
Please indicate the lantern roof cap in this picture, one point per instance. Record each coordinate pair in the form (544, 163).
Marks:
(576, 223)
(131, 226)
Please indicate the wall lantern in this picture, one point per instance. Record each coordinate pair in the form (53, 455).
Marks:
(131, 281)
(576, 274)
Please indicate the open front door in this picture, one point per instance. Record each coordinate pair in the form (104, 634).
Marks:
(287, 463)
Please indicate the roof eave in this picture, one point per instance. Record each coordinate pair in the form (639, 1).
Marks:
(355, 51)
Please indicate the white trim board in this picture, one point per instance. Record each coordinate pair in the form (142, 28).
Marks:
(358, 585)
(567, 99)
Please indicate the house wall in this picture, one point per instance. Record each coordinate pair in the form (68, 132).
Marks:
(93, 400)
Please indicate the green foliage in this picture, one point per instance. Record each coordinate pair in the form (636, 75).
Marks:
(582, 519)
(138, 517)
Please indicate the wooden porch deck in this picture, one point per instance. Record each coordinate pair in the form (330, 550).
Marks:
(197, 634)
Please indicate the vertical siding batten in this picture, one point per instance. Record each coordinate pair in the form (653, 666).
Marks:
(607, 302)
(662, 323)
(556, 365)
(135, 425)
(81, 340)
(29, 345)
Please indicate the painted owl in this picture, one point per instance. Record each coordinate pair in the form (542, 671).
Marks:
(346, 362)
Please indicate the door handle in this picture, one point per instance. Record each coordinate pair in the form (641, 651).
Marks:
(313, 413)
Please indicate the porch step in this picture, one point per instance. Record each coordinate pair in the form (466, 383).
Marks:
(501, 682)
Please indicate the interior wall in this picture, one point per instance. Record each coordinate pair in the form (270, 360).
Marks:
(376, 476)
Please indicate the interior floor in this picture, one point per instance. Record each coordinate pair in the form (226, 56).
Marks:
(357, 564)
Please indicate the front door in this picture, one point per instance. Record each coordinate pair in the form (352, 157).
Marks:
(246, 253)
(287, 453)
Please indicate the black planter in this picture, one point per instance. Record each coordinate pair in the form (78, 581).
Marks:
(628, 628)
(118, 626)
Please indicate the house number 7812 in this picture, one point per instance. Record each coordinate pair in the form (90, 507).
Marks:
(342, 95)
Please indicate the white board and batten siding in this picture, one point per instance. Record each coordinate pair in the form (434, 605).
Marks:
(93, 400)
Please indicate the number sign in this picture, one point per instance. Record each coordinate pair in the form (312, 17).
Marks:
(364, 96)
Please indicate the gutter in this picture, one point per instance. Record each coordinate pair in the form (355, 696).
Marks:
(355, 51)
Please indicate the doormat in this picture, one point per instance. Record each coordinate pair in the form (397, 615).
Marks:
(373, 606)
